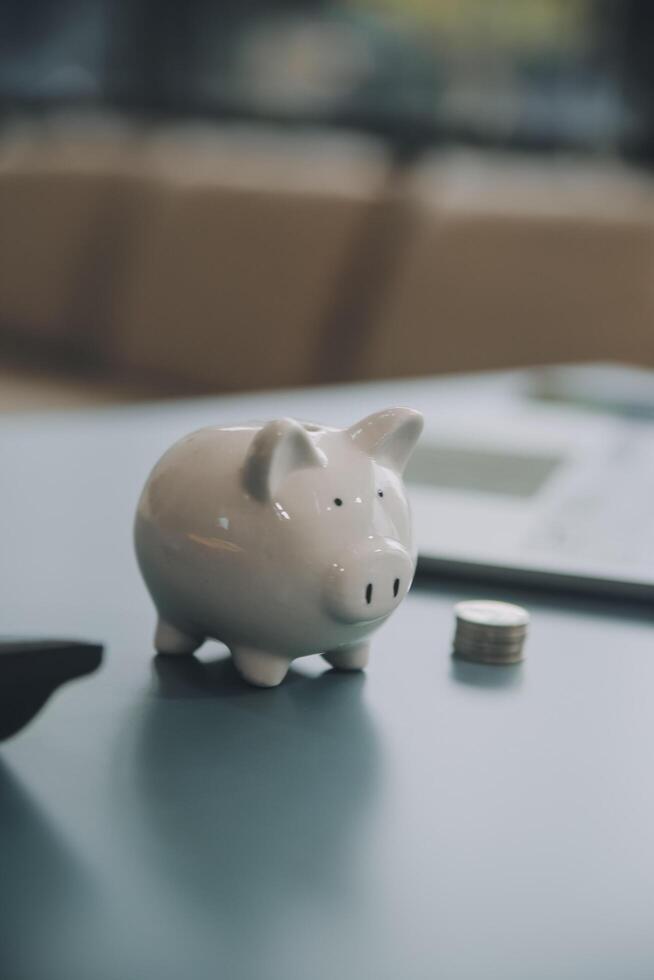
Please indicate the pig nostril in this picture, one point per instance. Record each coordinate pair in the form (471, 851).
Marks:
(396, 586)
(369, 593)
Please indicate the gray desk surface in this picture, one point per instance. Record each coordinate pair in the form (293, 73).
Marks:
(423, 820)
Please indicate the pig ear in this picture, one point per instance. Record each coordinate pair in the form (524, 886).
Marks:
(389, 437)
(278, 449)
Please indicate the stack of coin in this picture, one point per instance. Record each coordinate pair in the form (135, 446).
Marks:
(490, 632)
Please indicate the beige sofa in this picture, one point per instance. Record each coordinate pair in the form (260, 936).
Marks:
(507, 262)
(201, 257)
(68, 194)
(245, 242)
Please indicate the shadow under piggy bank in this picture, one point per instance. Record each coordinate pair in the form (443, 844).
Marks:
(47, 895)
(256, 801)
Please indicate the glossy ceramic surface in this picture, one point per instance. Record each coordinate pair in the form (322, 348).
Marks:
(281, 539)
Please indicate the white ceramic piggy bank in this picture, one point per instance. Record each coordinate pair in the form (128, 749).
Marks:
(280, 540)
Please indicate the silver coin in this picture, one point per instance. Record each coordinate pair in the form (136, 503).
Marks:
(490, 632)
(477, 656)
(490, 645)
(489, 613)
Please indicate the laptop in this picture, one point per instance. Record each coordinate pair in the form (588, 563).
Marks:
(541, 477)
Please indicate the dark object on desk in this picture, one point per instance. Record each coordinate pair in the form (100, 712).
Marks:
(32, 669)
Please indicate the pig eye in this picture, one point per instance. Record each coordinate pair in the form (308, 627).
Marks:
(338, 501)
(380, 493)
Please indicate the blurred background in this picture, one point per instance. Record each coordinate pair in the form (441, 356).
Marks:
(204, 197)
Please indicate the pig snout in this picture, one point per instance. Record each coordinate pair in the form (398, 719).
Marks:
(368, 584)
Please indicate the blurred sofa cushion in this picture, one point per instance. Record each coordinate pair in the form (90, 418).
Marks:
(506, 262)
(246, 241)
(67, 190)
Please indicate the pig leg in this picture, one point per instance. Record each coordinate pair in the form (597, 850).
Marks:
(354, 657)
(168, 639)
(259, 667)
